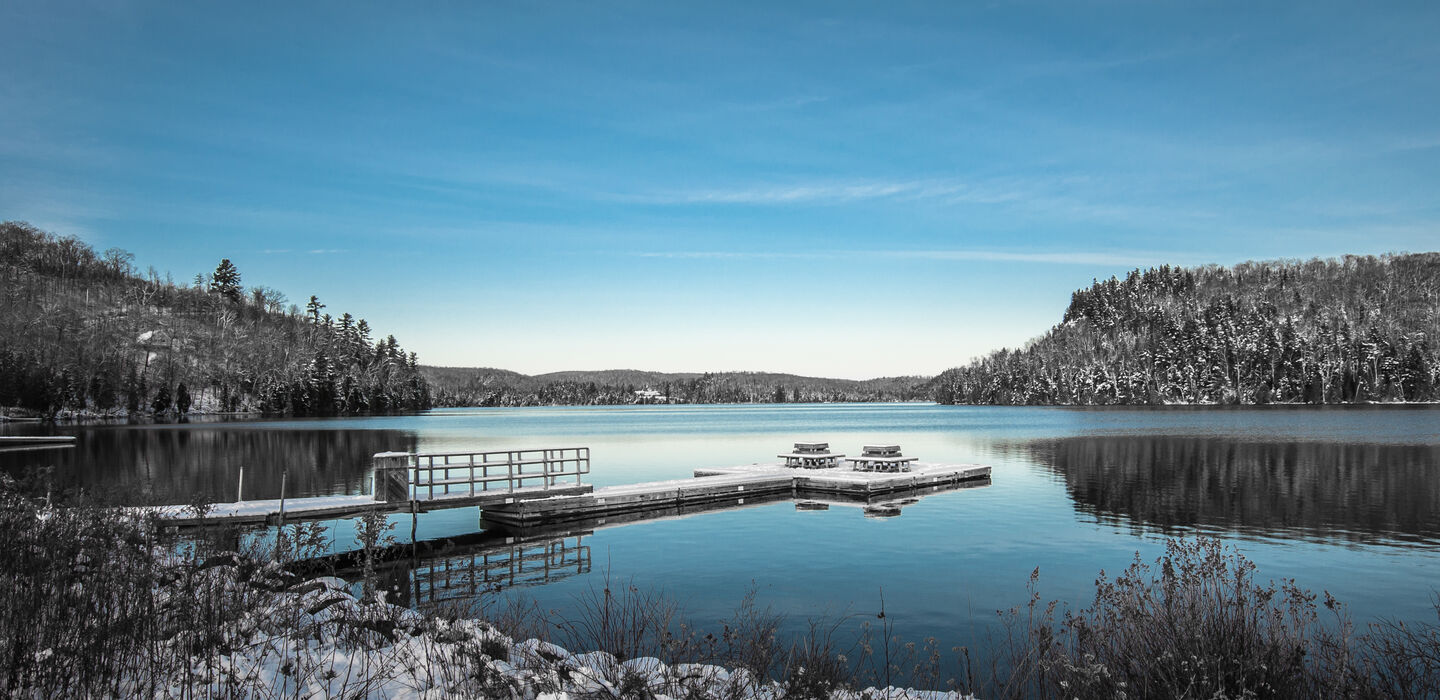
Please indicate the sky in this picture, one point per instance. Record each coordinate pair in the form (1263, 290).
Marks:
(823, 188)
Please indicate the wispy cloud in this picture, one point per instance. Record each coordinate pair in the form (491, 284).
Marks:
(315, 251)
(727, 255)
(1128, 258)
(1072, 257)
(829, 192)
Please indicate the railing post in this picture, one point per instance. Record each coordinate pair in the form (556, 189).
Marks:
(392, 477)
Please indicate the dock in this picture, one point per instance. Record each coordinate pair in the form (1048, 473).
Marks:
(529, 489)
(21, 443)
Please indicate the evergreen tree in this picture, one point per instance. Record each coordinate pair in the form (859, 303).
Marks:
(226, 281)
(313, 308)
(162, 400)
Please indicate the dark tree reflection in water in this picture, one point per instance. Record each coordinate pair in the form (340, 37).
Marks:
(185, 463)
(1315, 490)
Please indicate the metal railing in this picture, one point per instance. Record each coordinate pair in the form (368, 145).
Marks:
(428, 476)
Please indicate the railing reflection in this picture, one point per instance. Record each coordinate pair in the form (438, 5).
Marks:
(458, 576)
(467, 576)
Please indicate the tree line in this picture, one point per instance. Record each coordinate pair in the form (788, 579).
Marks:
(493, 387)
(82, 331)
(1355, 329)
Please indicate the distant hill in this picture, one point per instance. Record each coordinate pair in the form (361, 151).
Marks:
(495, 387)
(1355, 329)
(84, 331)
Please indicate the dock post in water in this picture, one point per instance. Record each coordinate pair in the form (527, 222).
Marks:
(392, 477)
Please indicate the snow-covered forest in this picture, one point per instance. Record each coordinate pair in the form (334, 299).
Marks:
(86, 331)
(1356, 329)
(454, 386)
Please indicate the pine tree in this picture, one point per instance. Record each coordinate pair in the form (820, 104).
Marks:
(313, 309)
(226, 281)
(162, 400)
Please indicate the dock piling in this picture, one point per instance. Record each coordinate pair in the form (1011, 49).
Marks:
(392, 477)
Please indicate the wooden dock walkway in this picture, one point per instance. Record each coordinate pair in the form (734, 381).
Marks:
(416, 483)
(502, 485)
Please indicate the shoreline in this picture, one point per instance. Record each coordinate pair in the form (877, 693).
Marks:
(121, 417)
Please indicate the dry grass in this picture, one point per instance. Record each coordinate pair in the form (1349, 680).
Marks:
(1198, 624)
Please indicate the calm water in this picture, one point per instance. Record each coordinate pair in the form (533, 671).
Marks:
(1343, 499)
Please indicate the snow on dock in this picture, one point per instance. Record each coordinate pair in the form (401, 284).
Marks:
(37, 440)
(273, 511)
(19, 443)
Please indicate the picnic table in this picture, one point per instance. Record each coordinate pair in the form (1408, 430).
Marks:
(886, 458)
(812, 455)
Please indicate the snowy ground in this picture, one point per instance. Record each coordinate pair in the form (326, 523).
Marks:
(314, 639)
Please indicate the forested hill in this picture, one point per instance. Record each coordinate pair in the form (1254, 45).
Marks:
(496, 387)
(81, 331)
(1324, 331)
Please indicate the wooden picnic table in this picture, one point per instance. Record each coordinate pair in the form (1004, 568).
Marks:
(881, 458)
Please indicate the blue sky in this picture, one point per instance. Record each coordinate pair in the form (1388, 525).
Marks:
(826, 188)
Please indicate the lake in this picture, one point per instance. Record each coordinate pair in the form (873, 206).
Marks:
(1344, 499)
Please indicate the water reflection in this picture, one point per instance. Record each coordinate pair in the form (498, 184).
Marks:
(184, 463)
(1316, 490)
(458, 575)
(461, 572)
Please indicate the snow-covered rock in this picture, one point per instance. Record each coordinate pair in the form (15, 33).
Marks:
(533, 653)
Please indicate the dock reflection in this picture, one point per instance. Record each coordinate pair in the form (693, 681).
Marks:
(459, 573)
(455, 576)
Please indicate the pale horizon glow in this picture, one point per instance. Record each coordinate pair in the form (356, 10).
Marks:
(827, 189)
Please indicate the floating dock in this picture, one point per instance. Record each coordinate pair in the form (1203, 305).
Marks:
(729, 484)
